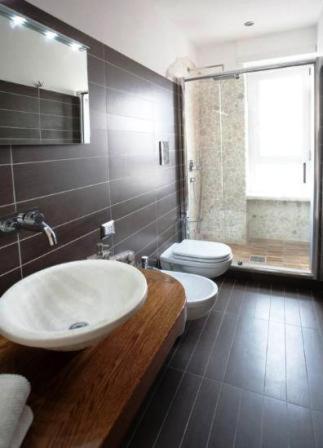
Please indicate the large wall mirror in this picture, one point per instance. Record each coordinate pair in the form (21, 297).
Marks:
(43, 84)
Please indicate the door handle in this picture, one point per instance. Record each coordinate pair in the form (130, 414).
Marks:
(304, 172)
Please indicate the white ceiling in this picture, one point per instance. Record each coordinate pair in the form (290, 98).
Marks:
(204, 21)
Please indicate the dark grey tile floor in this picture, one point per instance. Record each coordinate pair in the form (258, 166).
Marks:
(250, 374)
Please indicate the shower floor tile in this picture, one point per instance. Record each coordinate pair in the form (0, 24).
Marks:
(276, 253)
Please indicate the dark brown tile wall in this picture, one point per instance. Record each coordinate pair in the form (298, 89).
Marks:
(116, 176)
(37, 116)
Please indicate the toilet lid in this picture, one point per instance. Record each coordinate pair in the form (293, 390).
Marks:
(202, 250)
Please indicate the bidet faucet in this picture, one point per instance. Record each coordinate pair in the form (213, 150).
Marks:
(144, 263)
(102, 251)
(32, 220)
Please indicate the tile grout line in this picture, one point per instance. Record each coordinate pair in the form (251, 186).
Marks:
(180, 382)
(20, 256)
(5, 246)
(262, 421)
(214, 415)
(144, 411)
(178, 346)
(235, 332)
(218, 332)
(67, 159)
(268, 336)
(144, 227)
(13, 180)
(84, 187)
(191, 411)
(260, 394)
(36, 198)
(40, 129)
(169, 240)
(106, 61)
(202, 377)
(66, 223)
(60, 247)
(307, 378)
(168, 409)
(285, 341)
(202, 330)
(15, 206)
(10, 271)
(316, 313)
(93, 213)
(108, 160)
(146, 206)
(53, 250)
(319, 319)
(222, 383)
(36, 113)
(35, 98)
(237, 419)
(39, 117)
(206, 365)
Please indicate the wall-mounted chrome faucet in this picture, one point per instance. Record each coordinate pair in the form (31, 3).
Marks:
(32, 220)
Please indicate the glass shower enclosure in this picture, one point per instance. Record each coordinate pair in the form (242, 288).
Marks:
(250, 163)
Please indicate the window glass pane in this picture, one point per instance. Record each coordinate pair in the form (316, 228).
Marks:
(281, 117)
(279, 132)
(277, 180)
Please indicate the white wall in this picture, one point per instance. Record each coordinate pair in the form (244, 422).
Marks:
(136, 28)
(320, 35)
(234, 54)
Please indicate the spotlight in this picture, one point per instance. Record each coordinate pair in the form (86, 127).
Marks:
(18, 21)
(50, 35)
(249, 23)
(75, 46)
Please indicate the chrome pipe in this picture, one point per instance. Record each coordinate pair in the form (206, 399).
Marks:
(235, 74)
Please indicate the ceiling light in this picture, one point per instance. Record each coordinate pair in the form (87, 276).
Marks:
(75, 46)
(50, 35)
(18, 20)
(249, 23)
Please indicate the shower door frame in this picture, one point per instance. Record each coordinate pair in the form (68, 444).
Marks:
(315, 236)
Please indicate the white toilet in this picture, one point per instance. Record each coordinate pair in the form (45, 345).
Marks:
(200, 292)
(204, 258)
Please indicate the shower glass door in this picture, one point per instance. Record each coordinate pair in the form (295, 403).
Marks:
(250, 143)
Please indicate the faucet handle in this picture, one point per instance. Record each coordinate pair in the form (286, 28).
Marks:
(31, 217)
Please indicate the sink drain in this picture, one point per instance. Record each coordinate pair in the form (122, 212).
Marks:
(78, 325)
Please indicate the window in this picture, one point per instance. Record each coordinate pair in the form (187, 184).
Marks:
(279, 119)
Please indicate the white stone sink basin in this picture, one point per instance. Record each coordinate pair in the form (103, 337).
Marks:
(73, 305)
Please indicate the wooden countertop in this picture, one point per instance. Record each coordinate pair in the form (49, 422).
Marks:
(89, 398)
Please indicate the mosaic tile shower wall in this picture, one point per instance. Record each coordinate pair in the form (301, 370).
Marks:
(215, 114)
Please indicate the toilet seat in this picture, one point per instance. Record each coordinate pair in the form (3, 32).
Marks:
(202, 251)
(189, 256)
(197, 262)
